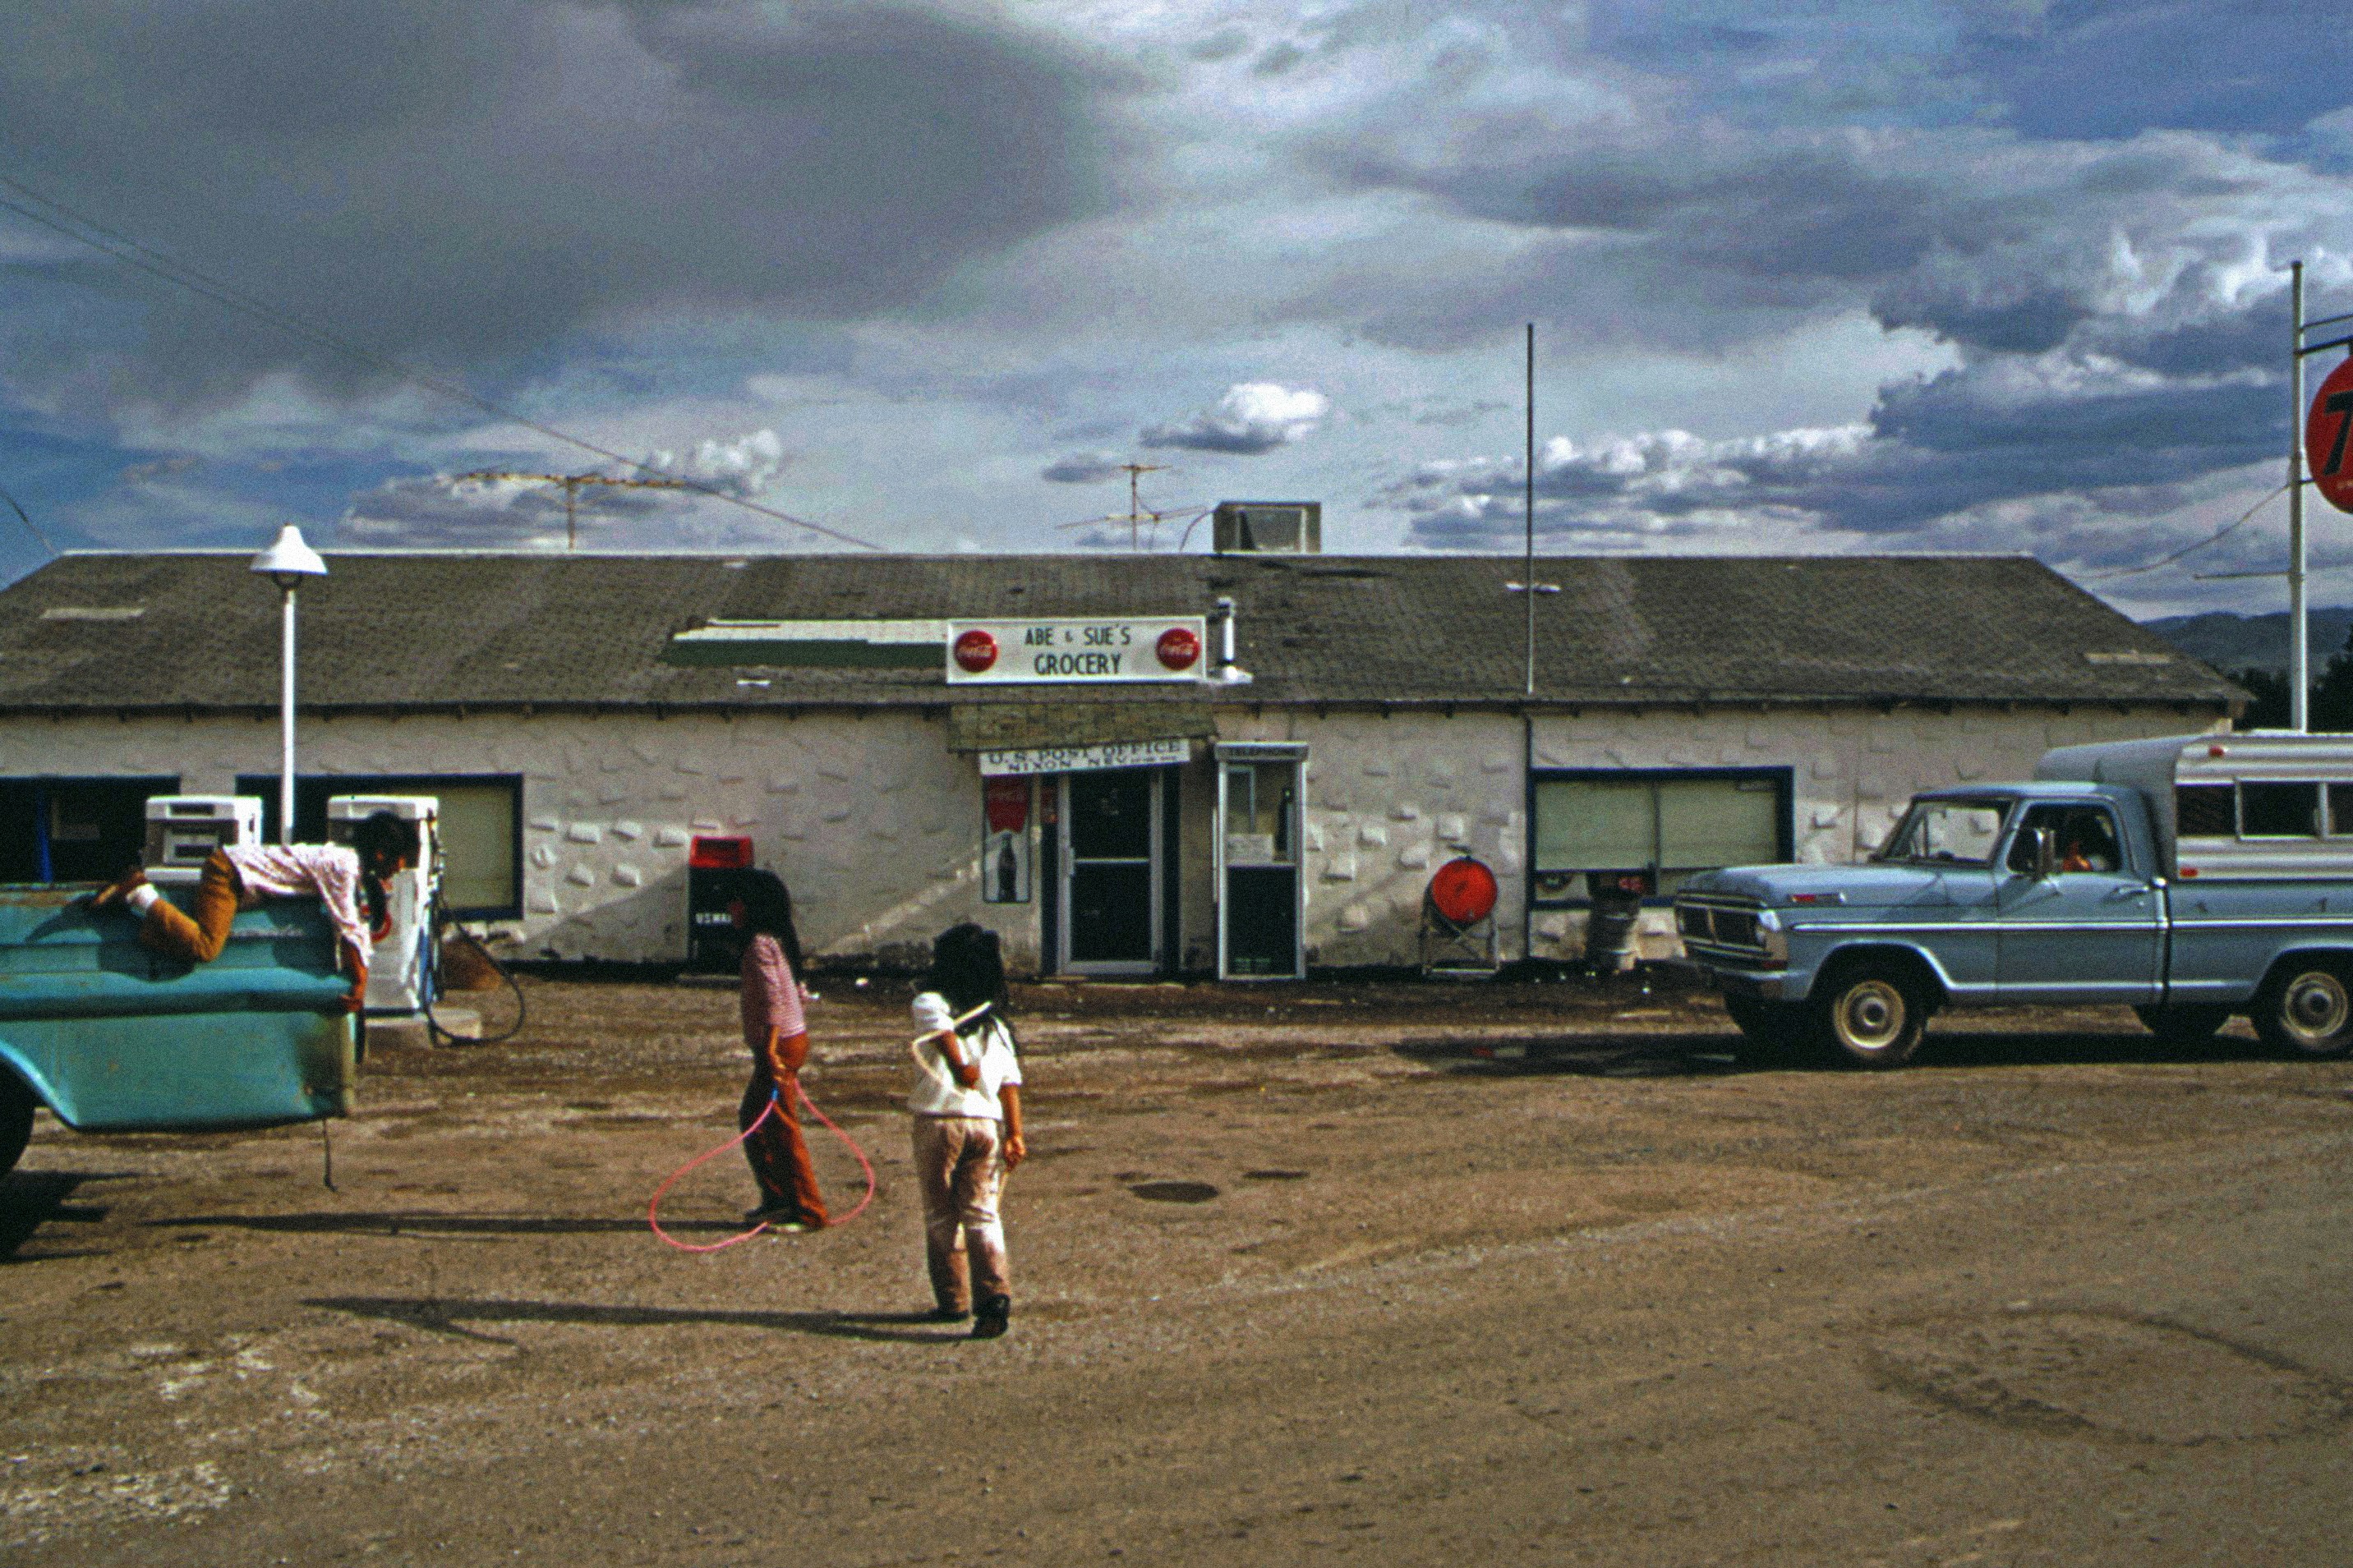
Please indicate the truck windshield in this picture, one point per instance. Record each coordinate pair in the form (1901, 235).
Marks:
(1947, 833)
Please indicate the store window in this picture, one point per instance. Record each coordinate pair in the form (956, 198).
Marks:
(482, 828)
(74, 829)
(1671, 825)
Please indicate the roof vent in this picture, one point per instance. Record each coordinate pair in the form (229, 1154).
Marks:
(1268, 528)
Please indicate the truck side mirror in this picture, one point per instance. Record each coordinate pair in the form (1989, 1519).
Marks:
(2046, 853)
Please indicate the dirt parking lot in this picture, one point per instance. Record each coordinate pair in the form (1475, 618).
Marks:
(1401, 1273)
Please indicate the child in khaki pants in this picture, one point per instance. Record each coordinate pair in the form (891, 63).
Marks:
(967, 1126)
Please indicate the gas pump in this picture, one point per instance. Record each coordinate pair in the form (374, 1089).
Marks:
(182, 830)
(403, 978)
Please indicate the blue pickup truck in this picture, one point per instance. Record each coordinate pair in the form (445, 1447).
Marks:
(114, 1038)
(2193, 879)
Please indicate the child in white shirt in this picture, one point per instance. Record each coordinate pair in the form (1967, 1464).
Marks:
(967, 1126)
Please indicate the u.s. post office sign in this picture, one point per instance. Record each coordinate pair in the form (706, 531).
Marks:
(1073, 652)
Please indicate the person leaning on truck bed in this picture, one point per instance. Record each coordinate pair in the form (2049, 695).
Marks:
(239, 876)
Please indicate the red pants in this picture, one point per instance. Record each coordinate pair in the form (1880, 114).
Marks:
(778, 1153)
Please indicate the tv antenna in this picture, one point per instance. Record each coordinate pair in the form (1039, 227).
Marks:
(572, 483)
(1139, 517)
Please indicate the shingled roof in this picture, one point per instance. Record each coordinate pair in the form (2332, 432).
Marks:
(195, 631)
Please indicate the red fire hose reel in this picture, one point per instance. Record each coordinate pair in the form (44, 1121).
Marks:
(1463, 890)
(1458, 932)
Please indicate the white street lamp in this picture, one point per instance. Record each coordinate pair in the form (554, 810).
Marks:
(285, 564)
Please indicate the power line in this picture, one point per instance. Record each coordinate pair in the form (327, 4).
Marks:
(572, 483)
(133, 253)
(2215, 538)
(28, 521)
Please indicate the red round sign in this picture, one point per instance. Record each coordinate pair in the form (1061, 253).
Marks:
(975, 651)
(2327, 451)
(1178, 648)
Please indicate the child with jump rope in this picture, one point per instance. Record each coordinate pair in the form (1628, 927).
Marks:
(966, 1105)
(773, 1000)
(777, 1030)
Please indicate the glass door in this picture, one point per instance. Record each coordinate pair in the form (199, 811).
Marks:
(1259, 892)
(1111, 871)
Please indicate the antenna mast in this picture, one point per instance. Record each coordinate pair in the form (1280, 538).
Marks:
(1135, 512)
(572, 483)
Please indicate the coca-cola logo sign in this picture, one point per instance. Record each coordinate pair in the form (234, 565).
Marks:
(975, 651)
(1177, 649)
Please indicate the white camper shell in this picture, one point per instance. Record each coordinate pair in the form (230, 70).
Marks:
(2268, 805)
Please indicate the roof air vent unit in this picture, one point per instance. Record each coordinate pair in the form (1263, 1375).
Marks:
(1269, 528)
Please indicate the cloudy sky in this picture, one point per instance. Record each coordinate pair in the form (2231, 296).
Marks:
(1845, 275)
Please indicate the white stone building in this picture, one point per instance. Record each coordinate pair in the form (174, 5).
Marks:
(584, 718)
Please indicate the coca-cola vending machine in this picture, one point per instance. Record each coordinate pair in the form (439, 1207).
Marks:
(715, 869)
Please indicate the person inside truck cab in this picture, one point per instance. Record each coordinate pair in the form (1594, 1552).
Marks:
(2082, 837)
(239, 876)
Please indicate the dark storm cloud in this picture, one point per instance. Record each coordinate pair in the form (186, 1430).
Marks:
(472, 185)
(2115, 307)
(2115, 68)
(1081, 467)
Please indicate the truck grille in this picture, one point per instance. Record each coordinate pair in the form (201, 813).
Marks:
(1717, 925)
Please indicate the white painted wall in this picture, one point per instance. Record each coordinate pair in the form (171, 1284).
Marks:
(877, 826)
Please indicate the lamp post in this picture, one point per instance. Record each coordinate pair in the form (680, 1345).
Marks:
(285, 564)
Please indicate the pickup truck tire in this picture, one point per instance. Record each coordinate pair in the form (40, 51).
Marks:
(2184, 1025)
(1768, 1029)
(16, 1104)
(2306, 1009)
(1870, 1017)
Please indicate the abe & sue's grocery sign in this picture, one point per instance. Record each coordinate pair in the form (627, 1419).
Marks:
(1077, 652)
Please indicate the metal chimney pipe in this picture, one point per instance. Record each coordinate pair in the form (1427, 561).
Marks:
(1226, 671)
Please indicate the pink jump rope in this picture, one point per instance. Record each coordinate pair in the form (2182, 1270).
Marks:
(653, 1209)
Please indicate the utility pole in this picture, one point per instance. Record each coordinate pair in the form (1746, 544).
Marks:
(1530, 586)
(1528, 507)
(2299, 672)
(572, 483)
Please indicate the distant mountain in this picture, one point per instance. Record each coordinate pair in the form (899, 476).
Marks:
(2230, 642)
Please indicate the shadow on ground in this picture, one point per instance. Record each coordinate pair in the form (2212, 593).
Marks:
(445, 1315)
(1694, 1053)
(1980, 1048)
(1586, 1056)
(31, 1199)
(423, 1223)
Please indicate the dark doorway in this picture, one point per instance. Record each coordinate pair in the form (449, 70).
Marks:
(1109, 826)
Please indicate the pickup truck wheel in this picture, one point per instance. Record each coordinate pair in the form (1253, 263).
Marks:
(1768, 1029)
(1870, 1018)
(2306, 1010)
(2182, 1024)
(15, 1119)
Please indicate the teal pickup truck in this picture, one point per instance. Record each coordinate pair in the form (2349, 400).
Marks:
(114, 1038)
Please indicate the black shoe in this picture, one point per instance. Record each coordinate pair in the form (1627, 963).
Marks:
(943, 1313)
(992, 1317)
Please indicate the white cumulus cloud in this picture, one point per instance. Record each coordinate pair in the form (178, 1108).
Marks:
(742, 467)
(1253, 416)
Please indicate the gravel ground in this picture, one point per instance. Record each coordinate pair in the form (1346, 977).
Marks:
(1403, 1272)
